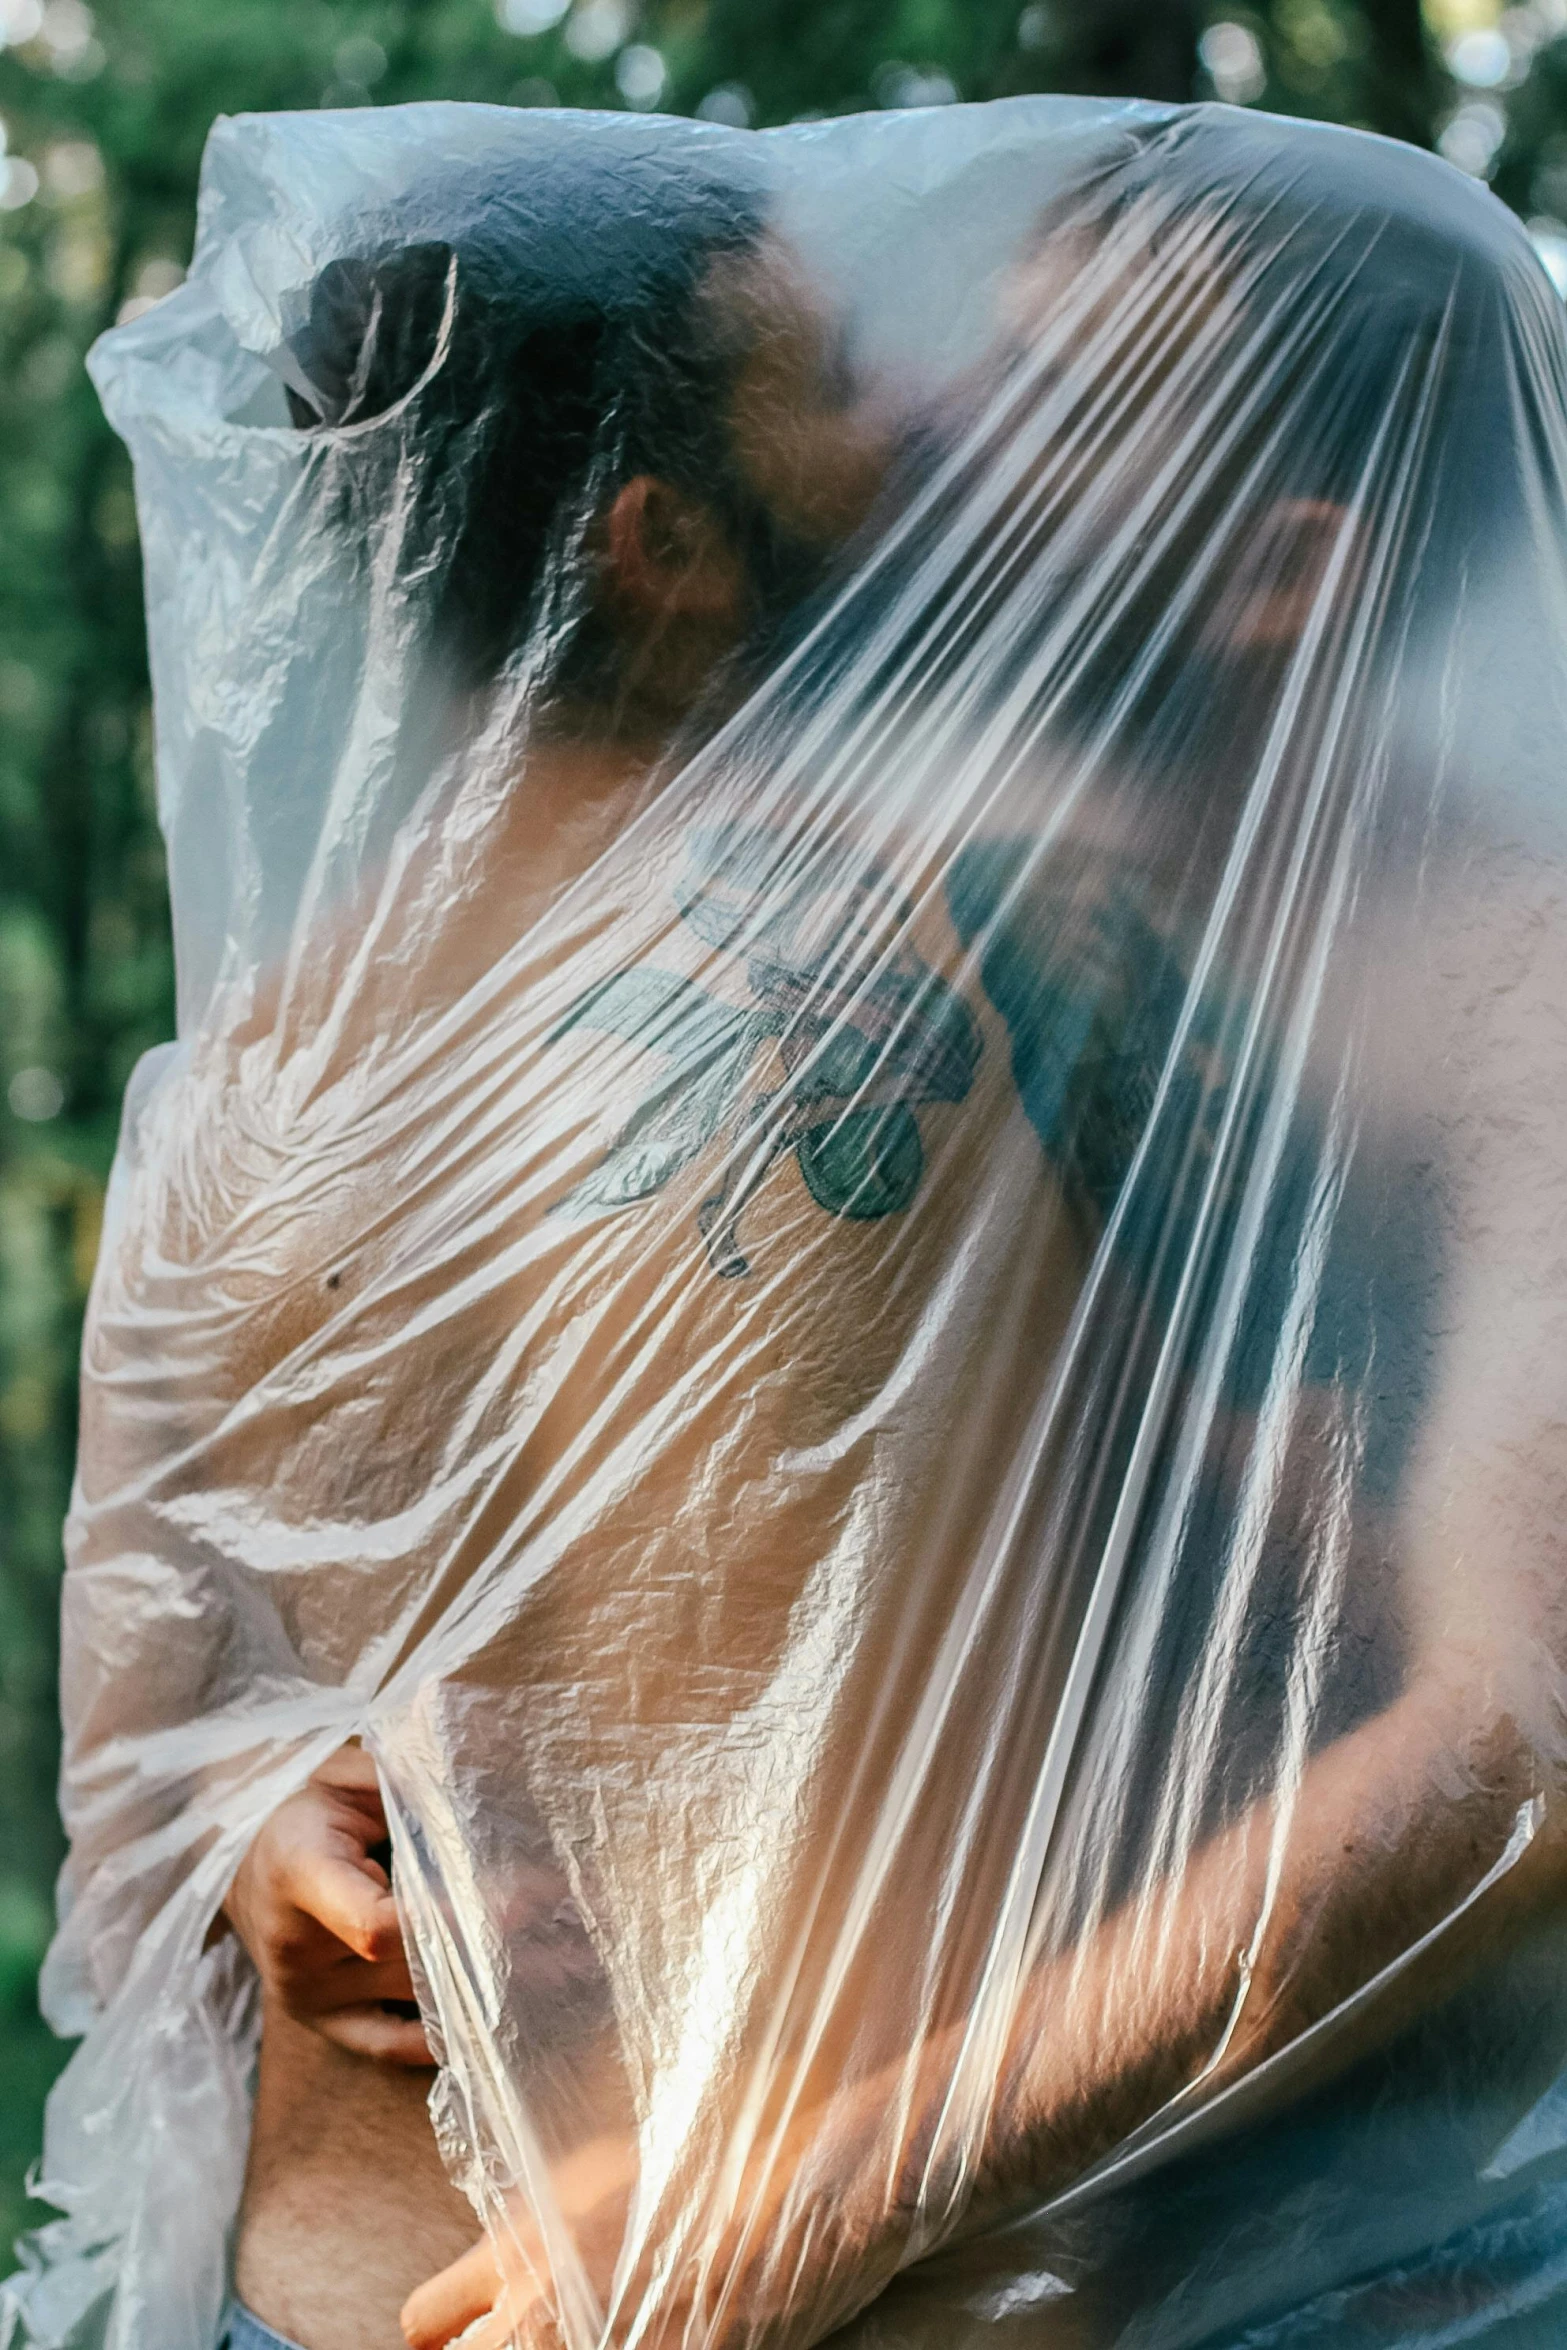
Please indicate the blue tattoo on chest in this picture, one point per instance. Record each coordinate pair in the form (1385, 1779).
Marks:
(863, 1041)
(1090, 993)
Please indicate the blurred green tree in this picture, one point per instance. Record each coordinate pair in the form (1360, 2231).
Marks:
(103, 113)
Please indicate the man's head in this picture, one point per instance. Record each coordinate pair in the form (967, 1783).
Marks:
(1230, 454)
(1247, 337)
(597, 419)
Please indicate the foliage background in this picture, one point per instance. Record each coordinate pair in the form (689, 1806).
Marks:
(104, 114)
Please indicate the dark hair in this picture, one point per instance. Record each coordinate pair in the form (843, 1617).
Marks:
(482, 392)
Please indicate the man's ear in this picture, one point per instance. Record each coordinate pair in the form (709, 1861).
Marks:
(1281, 570)
(667, 557)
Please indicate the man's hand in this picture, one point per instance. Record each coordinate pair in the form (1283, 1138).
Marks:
(770, 2264)
(591, 2192)
(314, 1908)
(470, 2290)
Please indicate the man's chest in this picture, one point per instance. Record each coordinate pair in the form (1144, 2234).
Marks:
(764, 1108)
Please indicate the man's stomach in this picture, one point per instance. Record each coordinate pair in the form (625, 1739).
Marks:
(347, 2206)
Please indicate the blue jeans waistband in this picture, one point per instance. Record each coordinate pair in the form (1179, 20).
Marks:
(243, 2330)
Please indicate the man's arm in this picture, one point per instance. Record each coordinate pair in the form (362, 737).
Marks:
(1433, 1835)
(1399, 1866)
(1325, 1917)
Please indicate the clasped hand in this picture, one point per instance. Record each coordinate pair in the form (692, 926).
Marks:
(312, 1903)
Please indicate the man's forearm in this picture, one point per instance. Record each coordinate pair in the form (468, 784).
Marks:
(1272, 1926)
(1366, 1880)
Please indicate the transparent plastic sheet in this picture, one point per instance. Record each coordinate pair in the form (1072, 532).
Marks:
(856, 1234)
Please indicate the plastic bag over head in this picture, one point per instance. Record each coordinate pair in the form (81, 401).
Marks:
(855, 1235)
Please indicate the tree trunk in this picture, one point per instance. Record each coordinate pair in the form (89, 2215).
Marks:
(1131, 49)
(1402, 81)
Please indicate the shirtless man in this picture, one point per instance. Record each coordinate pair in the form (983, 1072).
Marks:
(1394, 1825)
(712, 523)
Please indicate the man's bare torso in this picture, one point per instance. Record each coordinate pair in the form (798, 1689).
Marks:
(347, 2206)
(347, 2203)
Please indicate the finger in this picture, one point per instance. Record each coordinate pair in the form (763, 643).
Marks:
(498, 2329)
(375, 2032)
(352, 1770)
(342, 1895)
(503, 2330)
(350, 1783)
(309, 1990)
(453, 2300)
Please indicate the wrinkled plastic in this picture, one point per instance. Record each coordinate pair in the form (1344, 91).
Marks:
(874, 1276)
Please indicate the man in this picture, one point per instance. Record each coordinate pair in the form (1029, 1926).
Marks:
(842, 1058)
(660, 440)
